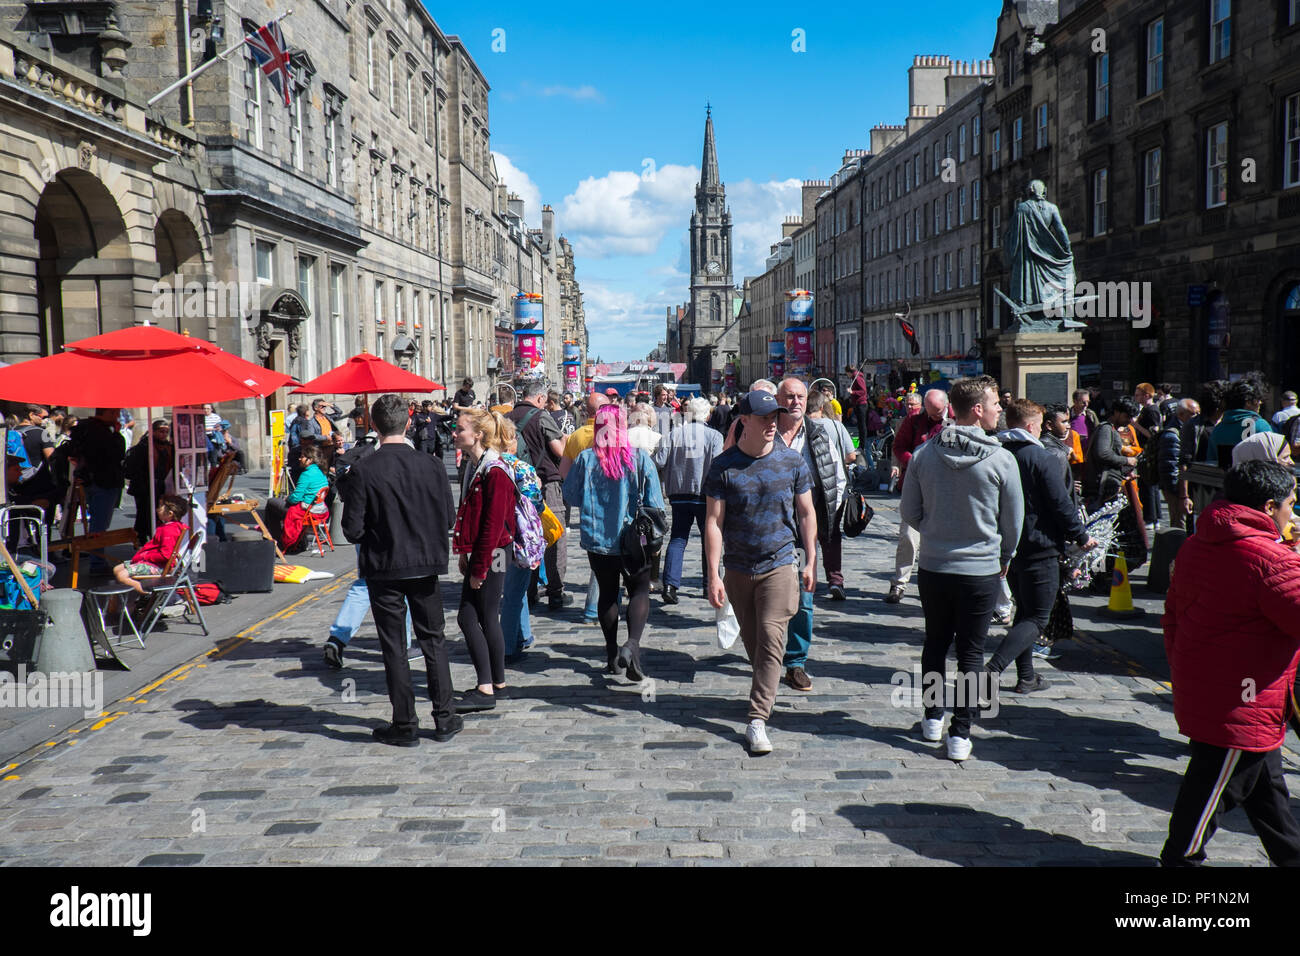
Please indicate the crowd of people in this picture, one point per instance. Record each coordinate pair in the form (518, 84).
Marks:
(995, 492)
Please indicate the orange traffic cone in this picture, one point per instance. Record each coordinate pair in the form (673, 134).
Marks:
(1120, 604)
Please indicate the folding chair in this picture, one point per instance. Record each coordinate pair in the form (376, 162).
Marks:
(177, 579)
(318, 520)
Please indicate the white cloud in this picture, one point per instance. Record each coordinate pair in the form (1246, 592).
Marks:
(628, 213)
(521, 184)
(584, 92)
(622, 323)
(757, 211)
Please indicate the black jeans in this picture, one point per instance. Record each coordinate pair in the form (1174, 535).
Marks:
(1219, 779)
(860, 416)
(479, 619)
(1034, 585)
(608, 569)
(389, 601)
(956, 606)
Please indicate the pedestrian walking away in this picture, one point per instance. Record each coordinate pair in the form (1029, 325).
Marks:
(963, 494)
(516, 623)
(1050, 521)
(574, 446)
(541, 444)
(403, 539)
(1230, 616)
(684, 458)
(925, 419)
(759, 504)
(484, 528)
(607, 483)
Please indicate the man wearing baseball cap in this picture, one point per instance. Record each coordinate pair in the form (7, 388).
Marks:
(758, 498)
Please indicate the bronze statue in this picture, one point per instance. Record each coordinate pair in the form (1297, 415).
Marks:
(1038, 255)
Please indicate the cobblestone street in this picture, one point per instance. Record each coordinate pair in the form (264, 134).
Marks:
(260, 754)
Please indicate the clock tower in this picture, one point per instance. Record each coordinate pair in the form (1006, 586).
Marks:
(711, 286)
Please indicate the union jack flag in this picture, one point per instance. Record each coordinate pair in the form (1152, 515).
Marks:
(272, 55)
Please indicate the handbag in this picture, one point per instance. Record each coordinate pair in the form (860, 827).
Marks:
(642, 537)
(552, 529)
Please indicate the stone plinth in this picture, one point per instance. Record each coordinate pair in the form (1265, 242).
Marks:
(1043, 366)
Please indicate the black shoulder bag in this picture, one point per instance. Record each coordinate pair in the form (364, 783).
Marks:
(642, 537)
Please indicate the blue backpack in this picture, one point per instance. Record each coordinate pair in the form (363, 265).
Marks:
(14, 446)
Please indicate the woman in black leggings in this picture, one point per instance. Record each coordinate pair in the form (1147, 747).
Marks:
(484, 528)
(605, 483)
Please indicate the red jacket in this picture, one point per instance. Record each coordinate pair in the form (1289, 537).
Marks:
(858, 391)
(1232, 629)
(914, 432)
(158, 549)
(486, 519)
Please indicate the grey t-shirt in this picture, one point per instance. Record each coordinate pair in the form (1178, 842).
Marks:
(759, 529)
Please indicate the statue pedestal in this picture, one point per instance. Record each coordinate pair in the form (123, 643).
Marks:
(1041, 366)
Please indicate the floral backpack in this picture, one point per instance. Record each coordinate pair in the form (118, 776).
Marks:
(529, 544)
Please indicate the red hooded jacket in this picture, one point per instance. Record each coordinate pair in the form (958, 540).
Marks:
(486, 519)
(1232, 629)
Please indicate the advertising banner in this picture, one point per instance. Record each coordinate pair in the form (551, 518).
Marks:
(798, 347)
(571, 378)
(776, 350)
(528, 312)
(799, 307)
(530, 353)
(571, 353)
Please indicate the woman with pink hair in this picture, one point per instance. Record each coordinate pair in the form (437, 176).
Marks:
(607, 483)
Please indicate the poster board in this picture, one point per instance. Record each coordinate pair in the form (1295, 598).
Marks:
(191, 439)
(278, 450)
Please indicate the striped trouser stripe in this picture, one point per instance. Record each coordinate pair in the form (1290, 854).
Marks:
(1225, 774)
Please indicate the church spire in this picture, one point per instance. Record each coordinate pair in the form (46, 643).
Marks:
(709, 164)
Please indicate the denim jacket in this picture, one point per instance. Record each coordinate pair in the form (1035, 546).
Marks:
(606, 505)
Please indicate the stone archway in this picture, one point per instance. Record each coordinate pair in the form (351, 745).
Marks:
(85, 268)
(181, 269)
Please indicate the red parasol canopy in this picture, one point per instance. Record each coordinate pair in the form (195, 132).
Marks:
(367, 374)
(143, 366)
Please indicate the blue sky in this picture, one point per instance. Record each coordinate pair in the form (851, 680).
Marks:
(598, 110)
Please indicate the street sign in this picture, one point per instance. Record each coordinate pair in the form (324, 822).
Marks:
(1196, 296)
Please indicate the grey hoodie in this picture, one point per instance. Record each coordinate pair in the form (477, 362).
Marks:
(963, 494)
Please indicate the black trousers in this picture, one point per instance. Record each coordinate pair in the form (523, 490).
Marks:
(479, 619)
(860, 416)
(1034, 585)
(608, 569)
(389, 601)
(1217, 779)
(957, 607)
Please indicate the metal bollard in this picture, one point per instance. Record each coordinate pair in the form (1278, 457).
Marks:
(65, 646)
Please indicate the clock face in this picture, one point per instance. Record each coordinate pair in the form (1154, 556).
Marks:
(714, 267)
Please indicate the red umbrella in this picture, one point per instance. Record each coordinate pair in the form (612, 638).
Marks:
(364, 374)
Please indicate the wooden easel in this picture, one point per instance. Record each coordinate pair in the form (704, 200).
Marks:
(219, 488)
(76, 544)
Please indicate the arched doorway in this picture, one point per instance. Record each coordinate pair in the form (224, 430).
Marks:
(84, 276)
(279, 327)
(1288, 338)
(180, 261)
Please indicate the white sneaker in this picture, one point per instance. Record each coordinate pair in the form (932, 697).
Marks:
(756, 737)
(932, 730)
(958, 747)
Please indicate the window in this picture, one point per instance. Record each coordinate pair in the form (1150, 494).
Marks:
(947, 145)
(1151, 186)
(379, 302)
(975, 200)
(961, 143)
(425, 107)
(995, 227)
(1017, 138)
(337, 274)
(1216, 166)
(1220, 30)
(938, 223)
(1291, 136)
(398, 295)
(264, 261)
(975, 136)
(936, 158)
(1293, 13)
(961, 268)
(995, 149)
(331, 144)
(253, 101)
(947, 210)
(947, 271)
(937, 286)
(392, 79)
(412, 116)
(916, 169)
(961, 206)
(295, 128)
(1100, 179)
(907, 176)
(1101, 86)
(1040, 126)
(372, 71)
(974, 264)
(1155, 73)
(307, 289)
(374, 196)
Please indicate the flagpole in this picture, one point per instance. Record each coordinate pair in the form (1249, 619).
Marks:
(216, 59)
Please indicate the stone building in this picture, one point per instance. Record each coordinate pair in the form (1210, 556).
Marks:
(1175, 159)
(764, 316)
(713, 338)
(921, 222)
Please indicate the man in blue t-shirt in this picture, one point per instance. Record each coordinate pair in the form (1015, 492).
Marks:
(759, 500)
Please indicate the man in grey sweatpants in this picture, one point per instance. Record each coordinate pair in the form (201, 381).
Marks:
(963, 494)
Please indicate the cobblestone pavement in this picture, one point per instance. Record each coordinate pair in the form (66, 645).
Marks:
(260, 754)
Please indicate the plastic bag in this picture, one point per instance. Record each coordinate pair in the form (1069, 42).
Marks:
(728, 626)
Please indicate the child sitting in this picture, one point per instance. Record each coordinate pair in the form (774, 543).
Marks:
(150, 560)
(314, 460)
